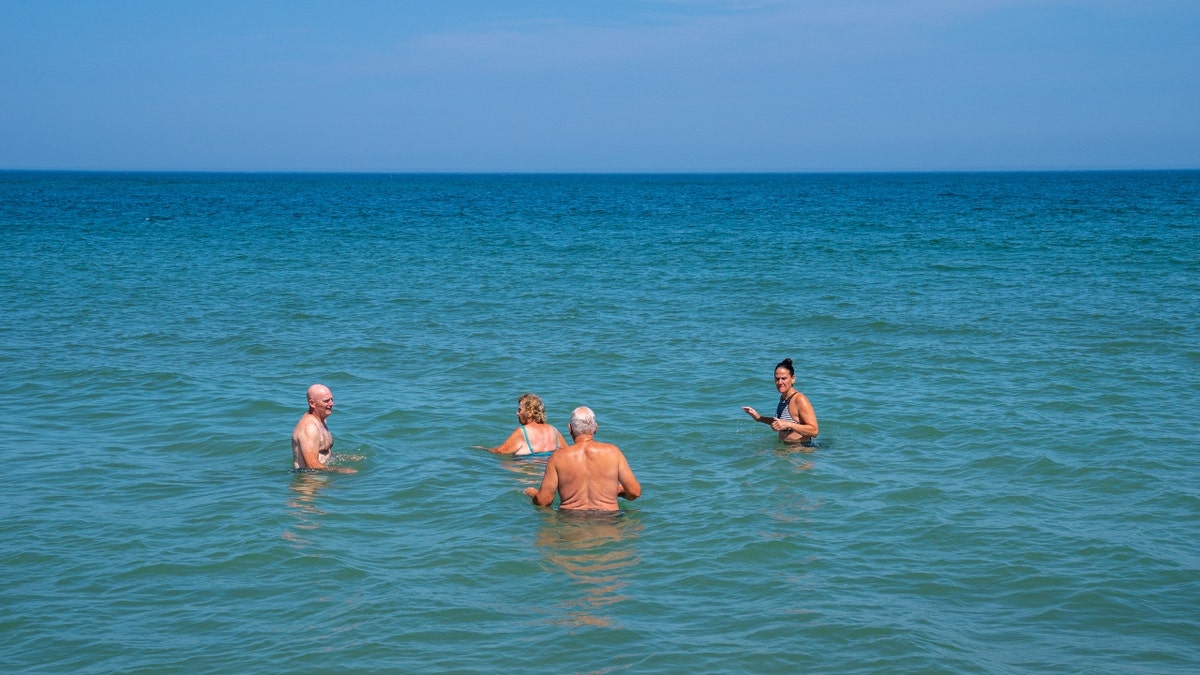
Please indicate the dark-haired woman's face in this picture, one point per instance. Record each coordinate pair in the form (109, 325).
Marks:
(784, 380)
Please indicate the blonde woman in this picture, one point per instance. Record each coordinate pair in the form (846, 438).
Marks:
(534, 436)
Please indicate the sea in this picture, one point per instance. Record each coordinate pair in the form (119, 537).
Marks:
(1005, 368)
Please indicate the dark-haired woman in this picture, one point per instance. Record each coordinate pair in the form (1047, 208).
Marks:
(794, 418)
(534, 436)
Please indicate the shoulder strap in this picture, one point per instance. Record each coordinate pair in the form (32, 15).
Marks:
(783, 405)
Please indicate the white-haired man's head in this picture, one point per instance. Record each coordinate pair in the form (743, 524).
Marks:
(583, 422)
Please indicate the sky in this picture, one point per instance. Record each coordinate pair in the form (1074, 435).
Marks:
(599, 85)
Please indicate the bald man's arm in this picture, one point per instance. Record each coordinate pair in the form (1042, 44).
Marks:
(306, 443)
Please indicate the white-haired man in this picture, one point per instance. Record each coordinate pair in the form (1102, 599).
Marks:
(587, 475)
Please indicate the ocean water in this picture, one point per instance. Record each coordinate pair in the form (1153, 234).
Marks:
(1005, 367)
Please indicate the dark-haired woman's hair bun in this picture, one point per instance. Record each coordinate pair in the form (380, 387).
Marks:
(786, 363)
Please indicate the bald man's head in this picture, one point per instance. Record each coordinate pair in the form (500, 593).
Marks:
(320, 401)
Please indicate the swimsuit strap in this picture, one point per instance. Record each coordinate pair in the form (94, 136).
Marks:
(527, 443)
(782, 411)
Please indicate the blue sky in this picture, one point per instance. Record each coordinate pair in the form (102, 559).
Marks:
(599, 85)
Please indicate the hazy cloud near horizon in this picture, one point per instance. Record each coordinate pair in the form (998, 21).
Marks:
(626, 85)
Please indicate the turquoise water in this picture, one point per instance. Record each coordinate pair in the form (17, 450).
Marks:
(1006, 369)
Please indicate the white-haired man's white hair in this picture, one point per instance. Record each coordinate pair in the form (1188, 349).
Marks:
(583, 421)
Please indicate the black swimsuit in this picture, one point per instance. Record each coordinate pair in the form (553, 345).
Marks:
(782, 412)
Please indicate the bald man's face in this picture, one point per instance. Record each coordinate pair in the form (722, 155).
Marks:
(320, 401)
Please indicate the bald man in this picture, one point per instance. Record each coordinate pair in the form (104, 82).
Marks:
(312, 444)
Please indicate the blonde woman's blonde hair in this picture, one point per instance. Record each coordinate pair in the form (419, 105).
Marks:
(532, 408)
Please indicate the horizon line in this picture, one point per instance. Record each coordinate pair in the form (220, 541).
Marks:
(495, 172)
